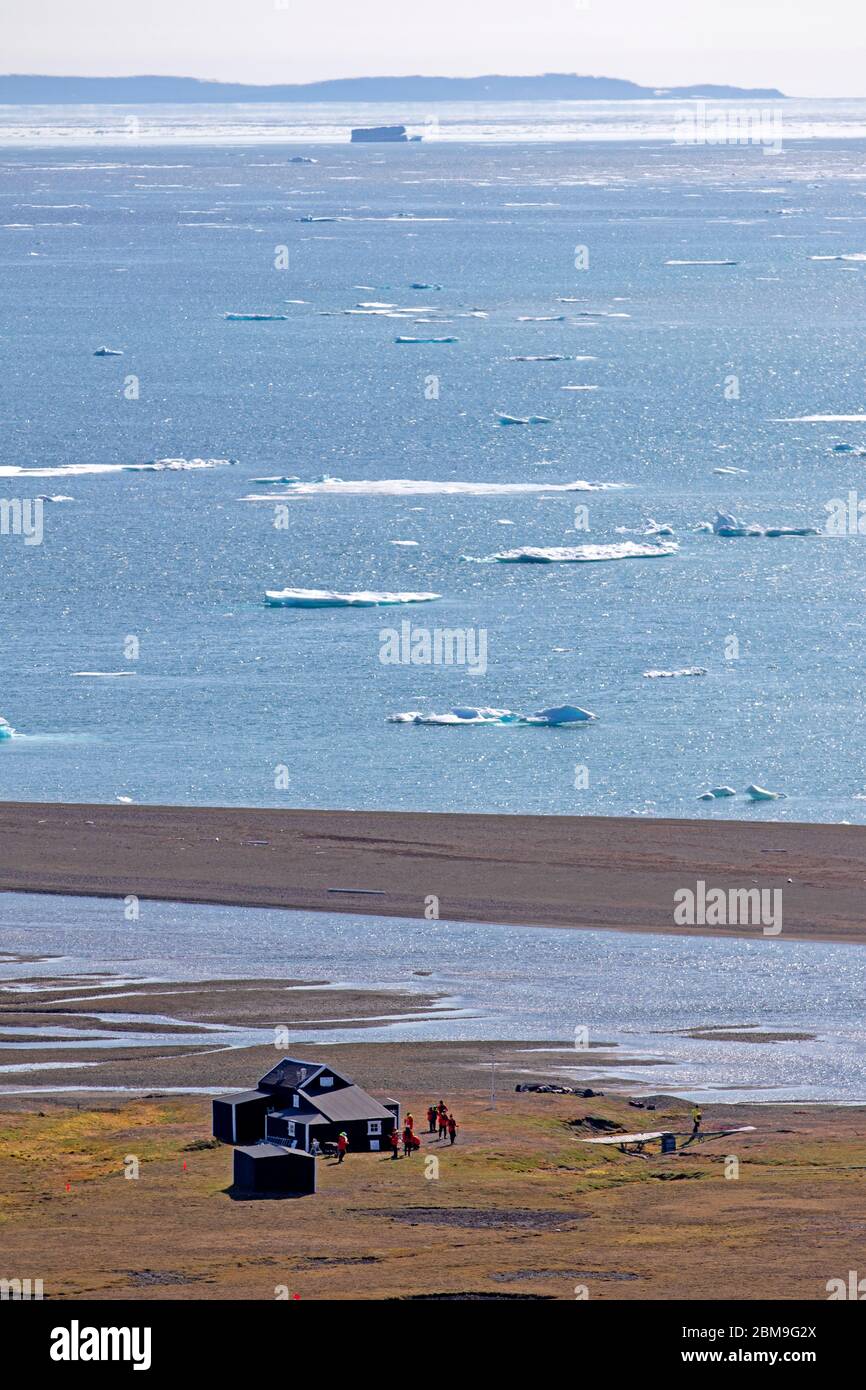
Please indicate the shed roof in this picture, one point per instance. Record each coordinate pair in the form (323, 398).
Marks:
(240, 1097)
(268, 1151)
(349, 1103)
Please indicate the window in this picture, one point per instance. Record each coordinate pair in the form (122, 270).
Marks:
(326, 1081)
(374, 1146)
(296, 1101)
(374, 1126)
(290, 1126)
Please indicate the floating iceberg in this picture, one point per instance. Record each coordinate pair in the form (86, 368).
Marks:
(717, 794)
(286, 478)
(558, 717)
(255, 318)
(550, 357)
(623, 550)
(6, 730)
(761, 794)
(701, 262)
(103, 675)
(858, 419)
(541, 318)
(578, 388)
(379, 134)
(727, 525)
(426, 340)
(669, 675)
(327, 598)
(732, 472)
(75, 470)
(108, 352)
(858, 450)
(419, 285)
(410, 487)
(523, 419)
(302, 159)
(845, 256)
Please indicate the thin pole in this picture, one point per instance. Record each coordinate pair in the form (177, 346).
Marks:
(493, 1083)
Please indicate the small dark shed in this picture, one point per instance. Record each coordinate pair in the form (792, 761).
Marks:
(272, 1168)
(240, 1119)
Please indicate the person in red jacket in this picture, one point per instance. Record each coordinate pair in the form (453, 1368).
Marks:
(407, 1141)
(394, 1140)
(410, 1122)
(342, 1146)
(443, 1124)
(452, 1128)
(431, 1119)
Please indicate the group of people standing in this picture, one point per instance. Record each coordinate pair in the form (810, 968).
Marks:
(439, 1119)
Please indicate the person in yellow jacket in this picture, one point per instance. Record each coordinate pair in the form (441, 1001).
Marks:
(696, 1120)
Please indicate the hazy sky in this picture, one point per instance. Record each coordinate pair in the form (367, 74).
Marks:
(806, 47)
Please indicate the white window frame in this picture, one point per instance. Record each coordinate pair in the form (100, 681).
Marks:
(291, 1128)
(374, 1127)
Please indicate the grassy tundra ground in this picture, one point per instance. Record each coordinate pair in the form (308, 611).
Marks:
(520, 1207)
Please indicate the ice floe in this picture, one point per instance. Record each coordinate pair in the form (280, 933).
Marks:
(845, 256)
(412, 487)
(717, 794)
(255, 318)
(557, 717)
(857, 419)
(523, 419)
(103, 675)
(669, 675)
(731, 526)
(732, 472)
(551, 357)
(761, 794)
(426, 340)
(858, 450)
(578, 388)
(327, 598)
(701, 262)
(6, 730)
(563, 554)
(75, 470)
(108, 352)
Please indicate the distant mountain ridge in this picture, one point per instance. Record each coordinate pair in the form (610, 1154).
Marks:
(23, 89)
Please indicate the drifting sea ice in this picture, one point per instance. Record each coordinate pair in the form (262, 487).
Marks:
(6, 730)
(523, 419)
(557, 717)
(730, 526)
(411, 487)
(108, 352)
(761, 794)
(586, 554)
(669, 675)
(75, 470)
(327, 598)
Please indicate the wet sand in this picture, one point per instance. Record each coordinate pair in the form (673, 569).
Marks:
(559, 871)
